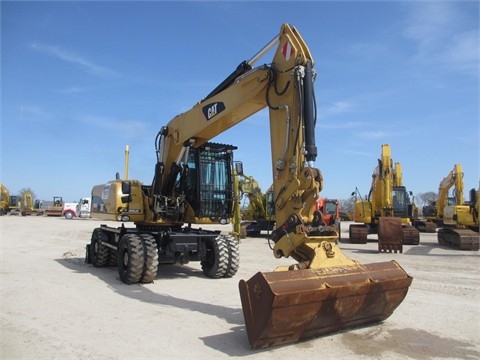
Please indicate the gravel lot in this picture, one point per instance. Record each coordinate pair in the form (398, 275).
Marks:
(54, 305)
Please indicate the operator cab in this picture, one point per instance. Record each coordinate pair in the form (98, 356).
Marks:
(206, 181)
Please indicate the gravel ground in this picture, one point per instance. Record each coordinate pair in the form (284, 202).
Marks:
(54, 305)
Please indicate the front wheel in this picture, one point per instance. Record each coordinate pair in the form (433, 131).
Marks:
(233, 256)
(137, 258)
(69, 215)
(216, 260)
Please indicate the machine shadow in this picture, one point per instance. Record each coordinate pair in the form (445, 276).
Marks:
(233, 343)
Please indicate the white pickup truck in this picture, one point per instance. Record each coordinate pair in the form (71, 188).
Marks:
(79, 209)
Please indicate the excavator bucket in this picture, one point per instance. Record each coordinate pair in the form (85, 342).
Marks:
(285, 306)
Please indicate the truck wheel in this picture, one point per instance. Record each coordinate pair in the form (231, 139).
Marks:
(130, 258)
(216, 260)
(99, 253)
(68, 215)
(233, 256)
(151, 258)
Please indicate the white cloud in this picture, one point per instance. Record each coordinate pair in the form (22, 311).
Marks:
(377, 134)
(125, 127)
(443, 36)
(33, 113)
(356, 152)
(341, 125)
(72, 90)
(73, 58)
(357, 103)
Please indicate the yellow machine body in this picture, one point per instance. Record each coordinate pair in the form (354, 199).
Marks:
(107, 202)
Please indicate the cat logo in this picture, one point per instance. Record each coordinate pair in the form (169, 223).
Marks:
(213, 109)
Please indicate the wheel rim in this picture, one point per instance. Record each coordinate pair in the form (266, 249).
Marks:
(125, 259)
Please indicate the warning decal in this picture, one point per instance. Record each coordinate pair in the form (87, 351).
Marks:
(287, 50)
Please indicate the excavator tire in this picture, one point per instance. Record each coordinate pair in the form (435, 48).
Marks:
(130, 258)
(410, 235)
(113, 254)
(233, 256)
(358, 234)
(151, 258)
(461, 239)
(215, 263)
(99, 253)
(285, 306)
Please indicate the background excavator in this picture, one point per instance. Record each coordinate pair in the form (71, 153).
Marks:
(9, 204)
(259, 214)
(30, 206)
(458, 222)
(4, 199)
(388, 204)
(323, 291)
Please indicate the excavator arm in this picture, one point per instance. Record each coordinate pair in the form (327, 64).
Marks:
(324, 291)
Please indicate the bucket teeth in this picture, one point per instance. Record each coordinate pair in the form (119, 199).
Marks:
(285, 306)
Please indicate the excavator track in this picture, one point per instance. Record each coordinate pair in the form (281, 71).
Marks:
(285, 306)
(358, 234)
(410, 235)
(461, 239)
(425, 226)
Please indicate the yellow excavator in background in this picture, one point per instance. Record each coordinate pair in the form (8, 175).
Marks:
(4, 199)
(410, 213)
(459, 222)
(9, 204)
(323, 291)
(30, 206)
(258, 216)
(388, 202)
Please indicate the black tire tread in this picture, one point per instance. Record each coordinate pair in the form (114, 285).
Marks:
(100, 257)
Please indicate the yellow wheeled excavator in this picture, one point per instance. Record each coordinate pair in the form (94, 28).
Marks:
(387, 210)
(458, 222)
(324, 291)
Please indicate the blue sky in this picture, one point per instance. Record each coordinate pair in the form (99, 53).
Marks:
(81, 80)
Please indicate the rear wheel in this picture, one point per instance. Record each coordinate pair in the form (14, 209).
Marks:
(113, 255)
(137, 258)
(216, 260)
(233, 256)
(151, 258)
(130, 258)
(99, 253)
